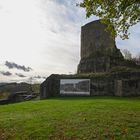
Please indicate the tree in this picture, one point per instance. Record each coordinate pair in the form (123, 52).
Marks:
(119, 15)
(127, 54)
(136, 59)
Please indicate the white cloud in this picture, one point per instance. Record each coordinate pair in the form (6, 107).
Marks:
(45, 35)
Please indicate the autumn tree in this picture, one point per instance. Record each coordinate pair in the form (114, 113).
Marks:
(117, 14)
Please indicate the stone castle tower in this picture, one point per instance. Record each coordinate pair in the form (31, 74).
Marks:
(98, 50)
(98, 54)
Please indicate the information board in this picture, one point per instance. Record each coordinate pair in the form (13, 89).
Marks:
(75, 86)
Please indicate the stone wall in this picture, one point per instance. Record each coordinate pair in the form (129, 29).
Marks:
(105, 84)
(94, 39)
(50, 87)
(102, 63)
(98, 86)
(127, 87)
(98, 50)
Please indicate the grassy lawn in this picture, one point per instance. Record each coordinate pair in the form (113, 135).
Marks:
(84, 118)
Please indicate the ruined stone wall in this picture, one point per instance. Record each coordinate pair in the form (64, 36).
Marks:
(98, 49)
(94, 39)
(50, 87)
(98, 86)
(127, 87)
(116, 84)
(99, 57)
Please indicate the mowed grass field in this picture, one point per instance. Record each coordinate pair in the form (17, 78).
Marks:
(79, 118)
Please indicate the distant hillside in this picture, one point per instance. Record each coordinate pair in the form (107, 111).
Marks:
(2, 84)
(8, 88)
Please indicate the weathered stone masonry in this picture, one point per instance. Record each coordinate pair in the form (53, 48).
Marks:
(116, 84)
(99, 58)
(98, 50)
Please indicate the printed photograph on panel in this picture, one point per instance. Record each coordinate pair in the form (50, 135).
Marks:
(75, 86)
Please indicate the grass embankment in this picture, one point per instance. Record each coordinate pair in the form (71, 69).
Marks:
(100, 118)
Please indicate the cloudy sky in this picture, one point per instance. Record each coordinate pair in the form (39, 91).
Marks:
(41, 37)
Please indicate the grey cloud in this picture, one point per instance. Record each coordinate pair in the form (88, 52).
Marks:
(20, 75)
(53, 31)
(6, 73)
(39, 77)
(12, 65)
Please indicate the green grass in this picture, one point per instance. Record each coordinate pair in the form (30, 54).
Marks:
(84, 118)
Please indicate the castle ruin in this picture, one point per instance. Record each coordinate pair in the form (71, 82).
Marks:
(98, 49)
(100, 60)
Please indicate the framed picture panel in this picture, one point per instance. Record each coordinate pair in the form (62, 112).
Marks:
(75, 86)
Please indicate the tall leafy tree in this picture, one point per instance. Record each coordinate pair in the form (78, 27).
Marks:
(119, 15)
